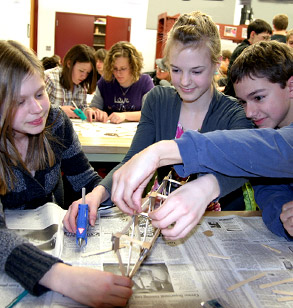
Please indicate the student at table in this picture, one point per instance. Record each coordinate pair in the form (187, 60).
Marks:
(193, 52)
(69, 84)
(120, 92)
(37, 142)
(263, 81)
(100, 56)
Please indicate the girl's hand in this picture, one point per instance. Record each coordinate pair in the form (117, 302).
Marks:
(117, 117)
(96, 115)
(93, 199)
(88, 286)
(69, 111)
(287, 217)
(185, 206)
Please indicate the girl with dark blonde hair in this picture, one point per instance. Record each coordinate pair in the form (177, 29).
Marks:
(193, 54)
(120, 92)
(37, 142)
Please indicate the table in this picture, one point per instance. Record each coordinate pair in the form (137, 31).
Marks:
(216, 261)
(105, 142)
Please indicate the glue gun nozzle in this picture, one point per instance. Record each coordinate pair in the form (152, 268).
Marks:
(80, 242)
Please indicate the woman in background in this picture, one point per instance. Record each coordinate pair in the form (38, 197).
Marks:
(67, 86)
(120, 92)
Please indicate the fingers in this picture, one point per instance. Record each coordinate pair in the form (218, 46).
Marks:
(93, 209)
(116, 118)
(69, 220)
(287, 217)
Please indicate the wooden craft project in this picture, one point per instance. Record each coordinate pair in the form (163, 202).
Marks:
(131, 234)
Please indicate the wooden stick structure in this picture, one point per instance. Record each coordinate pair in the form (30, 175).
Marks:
(131, 233)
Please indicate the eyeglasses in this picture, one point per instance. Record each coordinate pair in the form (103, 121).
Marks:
(159, 69)
(121, 70)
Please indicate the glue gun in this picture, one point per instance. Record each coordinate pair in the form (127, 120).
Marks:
(82, 222)
(79, 112)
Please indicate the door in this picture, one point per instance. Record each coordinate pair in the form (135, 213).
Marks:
(72, 29)
(117, 29)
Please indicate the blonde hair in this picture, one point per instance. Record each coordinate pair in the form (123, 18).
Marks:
(127, 50)
(16, 63)
(195, 30)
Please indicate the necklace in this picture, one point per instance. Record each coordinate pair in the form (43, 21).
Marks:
(125, 92)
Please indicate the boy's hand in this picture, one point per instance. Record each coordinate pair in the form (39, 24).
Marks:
(287, 217)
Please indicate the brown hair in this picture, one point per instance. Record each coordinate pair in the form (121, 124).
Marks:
(84, 54)
(280, 22)
(16, 63)
(272, 60)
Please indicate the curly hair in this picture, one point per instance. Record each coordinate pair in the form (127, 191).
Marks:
(127, 50)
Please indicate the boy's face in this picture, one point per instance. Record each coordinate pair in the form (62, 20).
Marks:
(263, 36)
(264, 102)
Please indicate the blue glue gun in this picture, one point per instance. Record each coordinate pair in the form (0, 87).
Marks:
(82, 222)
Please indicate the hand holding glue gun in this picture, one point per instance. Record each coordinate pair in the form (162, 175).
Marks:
(82, 222)
(78, 111)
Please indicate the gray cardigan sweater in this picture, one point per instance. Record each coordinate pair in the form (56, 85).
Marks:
(159, 119)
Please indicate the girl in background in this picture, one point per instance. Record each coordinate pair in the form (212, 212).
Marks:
(69, 84)
(36, 140)
(120, 92)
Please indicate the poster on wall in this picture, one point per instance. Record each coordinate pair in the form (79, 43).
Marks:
(230, 31)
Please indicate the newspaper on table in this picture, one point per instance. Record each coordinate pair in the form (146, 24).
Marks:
(220, 252)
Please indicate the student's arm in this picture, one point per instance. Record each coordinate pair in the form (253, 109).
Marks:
(39, 272)
(22, 261)
(250, 153)
(88, 286)
(270, 199)
(119, 117)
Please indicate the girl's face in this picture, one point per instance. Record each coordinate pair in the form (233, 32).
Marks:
(99, 66)
(122, 72)
(192, 72)
(264, 102)
(33, 107)
(80, 71)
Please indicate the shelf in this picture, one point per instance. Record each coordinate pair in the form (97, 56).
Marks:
(99, 34)
(100, 23)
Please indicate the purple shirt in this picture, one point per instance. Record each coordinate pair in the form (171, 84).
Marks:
(119, 99)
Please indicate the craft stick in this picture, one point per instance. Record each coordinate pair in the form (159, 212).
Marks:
(218, 256)
(282, 292)
(99, 252)
(130, 246)
(241, 283)
(271, 248)
(285, 299)
(267, 285)
(134, 240)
